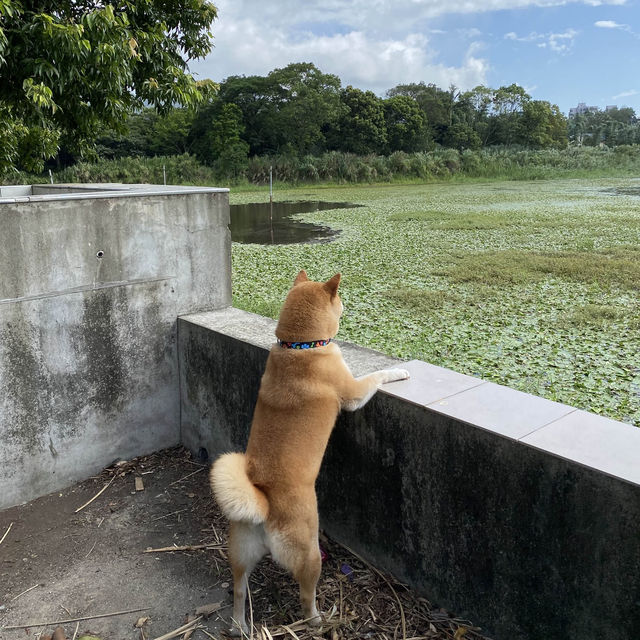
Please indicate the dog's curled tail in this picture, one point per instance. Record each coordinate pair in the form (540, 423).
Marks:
(237, 496)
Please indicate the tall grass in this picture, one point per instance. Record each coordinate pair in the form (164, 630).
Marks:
(506, 163)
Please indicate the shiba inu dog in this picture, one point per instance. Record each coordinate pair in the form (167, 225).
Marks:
(268, 492)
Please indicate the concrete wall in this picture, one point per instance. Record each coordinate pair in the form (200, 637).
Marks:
(90, 287)
(520, 513)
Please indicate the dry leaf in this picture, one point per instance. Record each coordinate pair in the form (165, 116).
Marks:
(59, 634)
(140, 622)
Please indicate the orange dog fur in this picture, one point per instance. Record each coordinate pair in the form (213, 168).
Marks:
(268, 493)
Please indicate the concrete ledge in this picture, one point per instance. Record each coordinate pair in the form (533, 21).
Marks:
(520, 513)
(43, 192)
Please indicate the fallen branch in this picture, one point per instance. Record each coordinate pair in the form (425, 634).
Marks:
(187, 476)
(166, 515)
(188, 547)
(26, 591)
(180, 630)
(291, 632)
(57, 622)
(106, 486)
(6, 533)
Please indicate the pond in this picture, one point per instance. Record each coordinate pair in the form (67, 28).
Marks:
(272, 223)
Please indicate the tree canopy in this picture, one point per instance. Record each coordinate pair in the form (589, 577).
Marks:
(73, 68)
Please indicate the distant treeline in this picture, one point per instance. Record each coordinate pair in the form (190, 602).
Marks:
(339, 167)
(299, 112)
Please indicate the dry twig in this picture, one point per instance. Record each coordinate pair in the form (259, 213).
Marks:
(6, 533)
(180, 630)
(185, 477)
(25, 591)
(188, 547)
(56, 622)
(86, 504)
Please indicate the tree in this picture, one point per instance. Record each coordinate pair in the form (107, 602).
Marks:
(288, 111)
(169, 135)
(361, 129)
(542, 125)
(461, 136)
(508, 103)
(407, 129)
(624, 115)
(217, 133)
(307, 103)
(435, 103)
(473, 108)
(71, 69)
(251, 94)
(134, 141)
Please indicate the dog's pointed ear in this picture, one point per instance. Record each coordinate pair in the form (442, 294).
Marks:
(332, 285)
(301, 277)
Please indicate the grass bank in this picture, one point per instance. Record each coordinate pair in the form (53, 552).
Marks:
(534, 285)
(334, 168)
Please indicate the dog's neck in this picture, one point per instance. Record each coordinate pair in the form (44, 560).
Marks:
(312, 344)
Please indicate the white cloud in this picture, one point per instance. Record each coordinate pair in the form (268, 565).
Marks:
(376, 14)
(626, 94)
(249, 46)
(372, 44)
(558, 42)
(562, 42)
(610, 24)
(470, 33)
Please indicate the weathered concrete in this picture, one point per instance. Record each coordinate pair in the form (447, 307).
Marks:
(91, 284)
(482, 497)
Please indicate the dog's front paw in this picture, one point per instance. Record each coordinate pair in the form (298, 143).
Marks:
(391, 375)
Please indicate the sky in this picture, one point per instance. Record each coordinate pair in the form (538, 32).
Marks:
(562, 51)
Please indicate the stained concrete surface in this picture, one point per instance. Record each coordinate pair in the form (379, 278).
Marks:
(92, 562)
(91, 283)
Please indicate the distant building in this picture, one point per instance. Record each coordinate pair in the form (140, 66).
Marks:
(582, 108)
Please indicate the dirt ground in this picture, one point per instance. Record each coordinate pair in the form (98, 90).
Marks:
(57, 565)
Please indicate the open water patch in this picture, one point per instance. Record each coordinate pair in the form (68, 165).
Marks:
(624, 191)
(273, 223)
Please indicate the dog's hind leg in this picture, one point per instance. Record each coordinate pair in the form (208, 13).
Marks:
(295, 548)
(246, 548)
(307, 574)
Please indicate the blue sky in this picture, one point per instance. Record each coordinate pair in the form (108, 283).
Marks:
(561, 51)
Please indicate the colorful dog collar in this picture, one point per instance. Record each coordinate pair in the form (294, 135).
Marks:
(304, 345)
